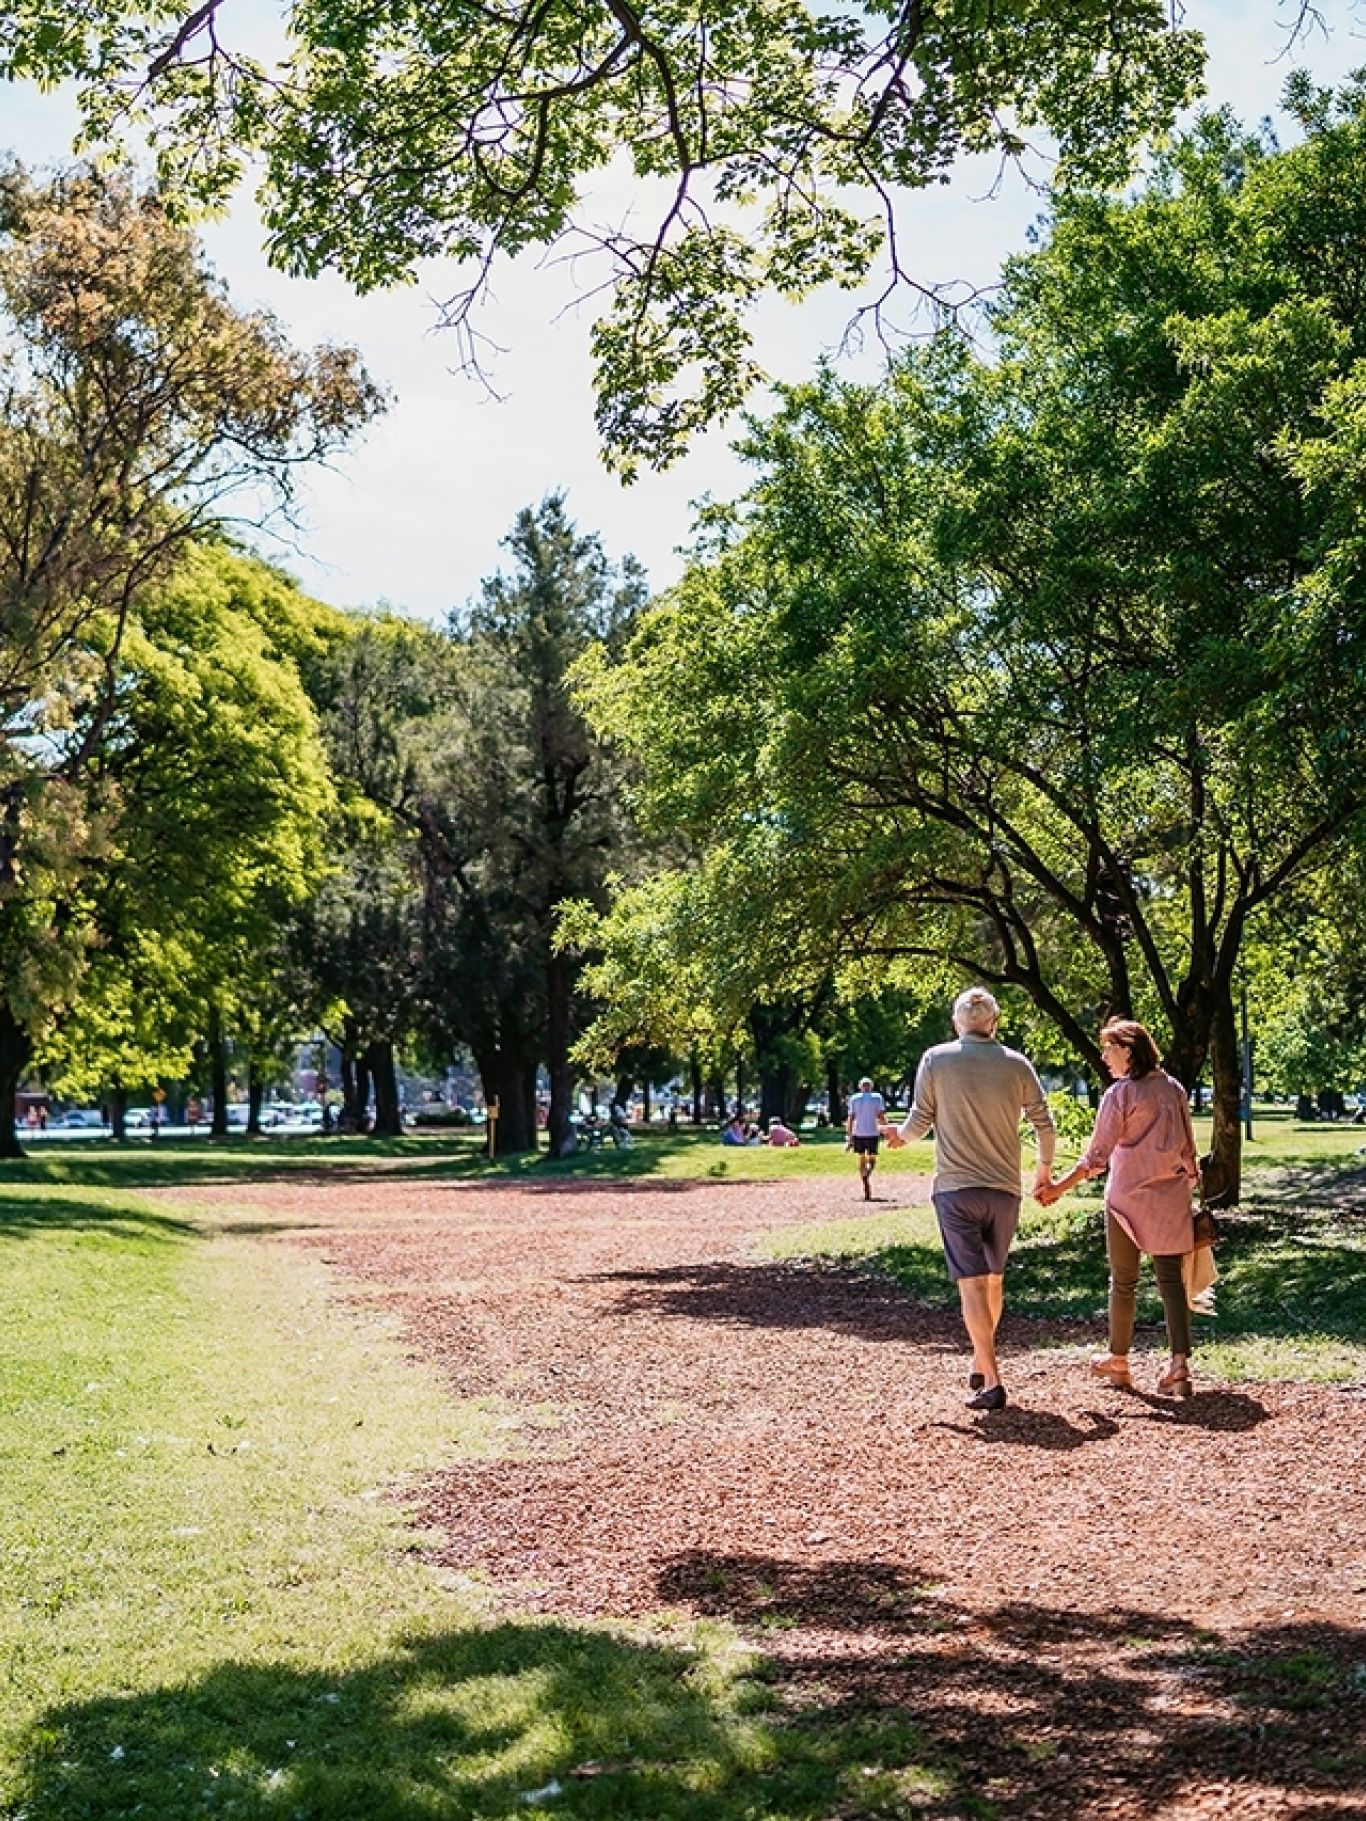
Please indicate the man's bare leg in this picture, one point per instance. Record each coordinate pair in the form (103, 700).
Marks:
(982, 1299)
(866, 1165)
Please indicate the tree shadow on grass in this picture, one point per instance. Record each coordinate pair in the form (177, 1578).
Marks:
(23, 1216)
(1335, 1185)
(881, 1700)
(509, 1720)
(1284, 1270)
(1036, 1711)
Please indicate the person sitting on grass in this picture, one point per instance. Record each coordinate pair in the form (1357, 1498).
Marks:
(735, 1130)
(780, 1134)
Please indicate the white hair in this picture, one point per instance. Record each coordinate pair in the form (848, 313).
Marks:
(975, 1010)
(865, 1082)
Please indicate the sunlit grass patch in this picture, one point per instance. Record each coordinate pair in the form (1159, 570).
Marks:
(1291, 1297)
(212, 1602)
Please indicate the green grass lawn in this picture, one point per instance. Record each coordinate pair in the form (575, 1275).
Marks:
(688, 1154)
(211, 1602)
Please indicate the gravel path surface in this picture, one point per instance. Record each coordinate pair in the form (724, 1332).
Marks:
(1098, 1597)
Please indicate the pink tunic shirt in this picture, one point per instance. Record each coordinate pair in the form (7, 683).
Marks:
(1143, 1131)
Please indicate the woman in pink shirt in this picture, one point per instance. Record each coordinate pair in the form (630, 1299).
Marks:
(1143, 1132)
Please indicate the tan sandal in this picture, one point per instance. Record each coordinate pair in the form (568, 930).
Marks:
(1176, 1382)
(1114, 1369)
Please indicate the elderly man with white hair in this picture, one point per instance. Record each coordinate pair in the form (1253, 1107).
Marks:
(971, 1093)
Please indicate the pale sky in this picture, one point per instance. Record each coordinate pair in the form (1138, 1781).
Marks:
(413, 515)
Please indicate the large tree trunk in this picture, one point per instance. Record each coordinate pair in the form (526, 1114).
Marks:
(16, 1051)
(776, 1089)
(347, 1118)
(218, 1074)
(1208, 1032)
(360, 1107)
(560, 974)
(695, 1077)
(833, 1092)
(1223, 1166)
(118, 1114)
(256, 1093)
(504, 1076)
(529, 1075)
(388, 1117)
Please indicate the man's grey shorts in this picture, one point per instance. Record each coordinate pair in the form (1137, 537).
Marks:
(977, 1226)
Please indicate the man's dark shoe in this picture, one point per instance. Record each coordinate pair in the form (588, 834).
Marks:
(995, 1399)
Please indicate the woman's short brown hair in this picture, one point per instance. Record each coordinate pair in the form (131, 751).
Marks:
(1143, 1056)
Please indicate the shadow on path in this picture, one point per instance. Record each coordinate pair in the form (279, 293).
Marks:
(782, 1295)
(1017, 1428)
(1054, 1713)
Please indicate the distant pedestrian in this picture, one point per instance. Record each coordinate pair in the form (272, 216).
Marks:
(971, 1092)
(1143, 1132)
(863, 1130)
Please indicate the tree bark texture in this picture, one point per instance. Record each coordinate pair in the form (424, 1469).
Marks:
(379, 1059)
(1222, 1167)
(16, 1051)
(560, 973)
(834, 1093)
(218, 1074)
(505, 1076)
(347, 1084)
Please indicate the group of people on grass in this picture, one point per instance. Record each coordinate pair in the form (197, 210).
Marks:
(739, 1130)
(971, 1093)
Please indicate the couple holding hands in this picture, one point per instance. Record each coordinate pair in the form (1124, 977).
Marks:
(971, 1093)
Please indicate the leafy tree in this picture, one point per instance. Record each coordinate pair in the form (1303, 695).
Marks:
(1304, 975)
(138, 404)
(1052, 666)
(363, 940)
(521, 811)
(732, 950)
(361, 943)
(767, 142)
(213, 755)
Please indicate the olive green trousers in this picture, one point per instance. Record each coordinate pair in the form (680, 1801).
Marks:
(1125, 1260)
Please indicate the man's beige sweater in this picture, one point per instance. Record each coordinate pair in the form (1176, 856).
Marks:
(971, 1093)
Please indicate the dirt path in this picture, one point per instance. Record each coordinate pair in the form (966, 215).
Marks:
(1114, 1605)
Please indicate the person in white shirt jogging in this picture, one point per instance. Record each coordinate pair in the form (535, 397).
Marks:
(863, 1131)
